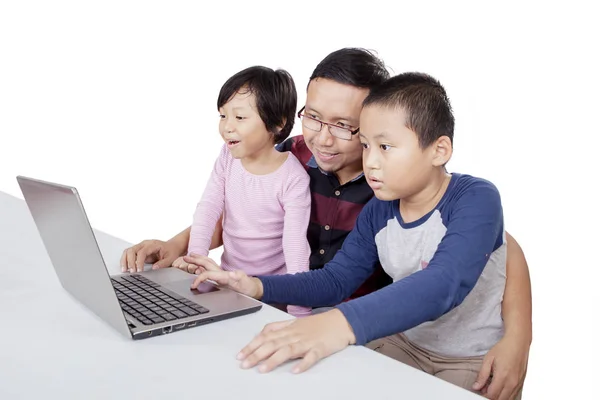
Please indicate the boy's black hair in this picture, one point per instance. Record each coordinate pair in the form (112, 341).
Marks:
(423, 99)
(352, 66)
(275, 94)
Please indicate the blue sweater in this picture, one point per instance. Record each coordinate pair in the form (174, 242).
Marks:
(435, 262)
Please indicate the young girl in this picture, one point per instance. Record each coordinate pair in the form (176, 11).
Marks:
(263, 194)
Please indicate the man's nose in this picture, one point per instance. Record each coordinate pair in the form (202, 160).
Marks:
(325, 138)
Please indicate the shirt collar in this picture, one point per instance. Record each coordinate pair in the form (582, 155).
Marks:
(312, 163)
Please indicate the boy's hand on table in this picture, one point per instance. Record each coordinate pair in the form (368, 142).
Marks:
(311, 339)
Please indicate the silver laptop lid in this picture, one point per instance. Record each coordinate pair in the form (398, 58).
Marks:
(71, 244)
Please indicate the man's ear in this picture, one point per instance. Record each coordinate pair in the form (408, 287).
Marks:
(442, 151)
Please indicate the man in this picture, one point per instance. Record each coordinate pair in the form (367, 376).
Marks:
(332, 153)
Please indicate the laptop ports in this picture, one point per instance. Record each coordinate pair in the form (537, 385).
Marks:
(167, 329)
(180, 326)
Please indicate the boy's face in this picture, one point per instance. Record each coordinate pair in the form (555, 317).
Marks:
(335, 103)
(394, 164)
(242, 128)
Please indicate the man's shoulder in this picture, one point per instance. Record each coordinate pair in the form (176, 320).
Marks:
(297, 146)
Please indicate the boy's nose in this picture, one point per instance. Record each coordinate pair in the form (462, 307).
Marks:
(370, 160)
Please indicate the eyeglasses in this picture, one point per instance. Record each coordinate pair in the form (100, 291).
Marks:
(335, 130)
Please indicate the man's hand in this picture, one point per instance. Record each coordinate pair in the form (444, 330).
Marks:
(311, 339)
(235, 280)
(506, 363)
(161, 254)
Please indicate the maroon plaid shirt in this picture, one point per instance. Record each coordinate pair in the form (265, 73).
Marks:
(334, 211)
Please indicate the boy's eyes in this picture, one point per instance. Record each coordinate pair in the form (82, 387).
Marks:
(238, 117)
(383, 147)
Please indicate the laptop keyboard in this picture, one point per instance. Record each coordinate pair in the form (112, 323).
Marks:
(150, 303)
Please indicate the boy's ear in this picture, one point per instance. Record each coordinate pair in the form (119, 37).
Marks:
(442, 151)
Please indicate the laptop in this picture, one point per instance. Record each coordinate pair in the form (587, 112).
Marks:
(139, 305)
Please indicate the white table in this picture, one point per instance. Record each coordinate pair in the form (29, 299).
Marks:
(52, 347)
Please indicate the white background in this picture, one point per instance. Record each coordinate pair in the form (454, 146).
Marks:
(118, 98)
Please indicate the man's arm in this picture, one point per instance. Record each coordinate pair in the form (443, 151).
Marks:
(217, 237)
(508, 359)
(516, 306)
(180, 241)
(162, 254)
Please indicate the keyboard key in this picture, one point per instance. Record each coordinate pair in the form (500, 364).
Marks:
(200, 309)
(189, 311)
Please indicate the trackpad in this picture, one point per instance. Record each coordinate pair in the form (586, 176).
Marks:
(183, 286)
(204, 288)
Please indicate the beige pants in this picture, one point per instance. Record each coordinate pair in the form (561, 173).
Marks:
(459, 371)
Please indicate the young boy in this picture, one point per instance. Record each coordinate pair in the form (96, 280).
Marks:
(439, 236)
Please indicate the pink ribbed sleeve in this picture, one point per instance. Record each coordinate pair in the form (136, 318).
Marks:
(210, 207)
(296, 250)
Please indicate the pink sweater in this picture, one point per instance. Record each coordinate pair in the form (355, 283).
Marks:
(265, 218)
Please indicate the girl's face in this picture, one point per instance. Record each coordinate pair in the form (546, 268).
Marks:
(242, 128)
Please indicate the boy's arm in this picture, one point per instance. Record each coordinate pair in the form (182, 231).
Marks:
(210, 207)
(473, 232)
(296, 250)
(348, 269)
